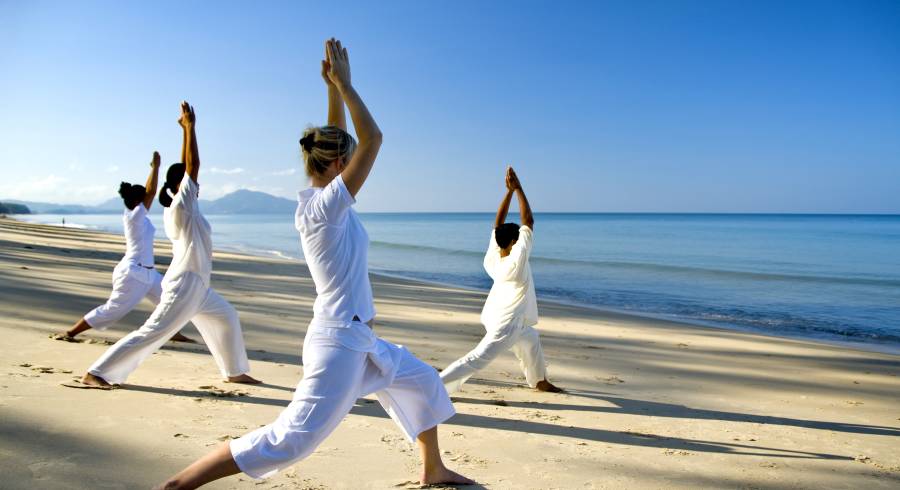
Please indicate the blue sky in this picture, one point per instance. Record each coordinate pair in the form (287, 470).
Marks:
(601, 106)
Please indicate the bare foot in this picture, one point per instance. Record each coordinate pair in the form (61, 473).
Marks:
(65, 337)
(179, 337)
(96, 382)
(445, 476)
(243, 379)
(544, 385)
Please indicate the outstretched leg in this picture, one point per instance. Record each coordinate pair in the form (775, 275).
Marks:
(492, 345)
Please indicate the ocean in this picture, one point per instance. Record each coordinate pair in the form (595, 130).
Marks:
(828, 277)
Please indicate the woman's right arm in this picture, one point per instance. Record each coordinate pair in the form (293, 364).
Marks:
(367, 132)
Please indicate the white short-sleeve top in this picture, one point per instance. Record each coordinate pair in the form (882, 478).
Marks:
(335, 246)
(512, 296)
(139, 233)
(190, 234)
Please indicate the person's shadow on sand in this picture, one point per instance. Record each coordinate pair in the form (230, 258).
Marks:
(370, 408)
(658, 409)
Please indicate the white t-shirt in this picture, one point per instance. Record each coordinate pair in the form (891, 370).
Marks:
(190, 234)
(138, 236)
(336, 248)
(512, 296)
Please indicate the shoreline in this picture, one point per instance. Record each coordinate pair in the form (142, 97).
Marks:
(857, 345)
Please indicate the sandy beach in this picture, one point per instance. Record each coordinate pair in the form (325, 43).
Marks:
(651, 403)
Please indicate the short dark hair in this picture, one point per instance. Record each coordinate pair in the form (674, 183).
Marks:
(132, 195)
(506, 234)
(173, 178)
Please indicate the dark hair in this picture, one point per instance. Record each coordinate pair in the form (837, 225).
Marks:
(173, 178)
(506, 234)
(132, 195)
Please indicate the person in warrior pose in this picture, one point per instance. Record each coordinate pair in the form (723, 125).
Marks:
(186, 293)
(511, 307)
(135, 277)
(343, 359)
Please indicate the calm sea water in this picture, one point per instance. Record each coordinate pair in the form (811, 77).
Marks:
(823, 276)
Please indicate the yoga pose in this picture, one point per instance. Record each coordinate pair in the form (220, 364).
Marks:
(343, 359)
(511, 306)
(186, 294)
(134, 277)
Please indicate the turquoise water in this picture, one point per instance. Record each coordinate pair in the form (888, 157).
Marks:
(833, 277)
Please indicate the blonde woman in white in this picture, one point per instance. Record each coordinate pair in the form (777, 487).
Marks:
(343, 359)
(186, 292)
(135, 276)
(510, 311)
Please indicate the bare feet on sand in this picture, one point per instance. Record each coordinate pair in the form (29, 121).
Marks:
(95, 381)
(544, 385)
(243, 379)
(179, 337)
(444, 476)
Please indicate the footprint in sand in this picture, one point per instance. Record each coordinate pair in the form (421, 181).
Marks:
(220, 393)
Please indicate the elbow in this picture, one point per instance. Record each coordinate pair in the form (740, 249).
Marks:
(376, 138)
(371, 138)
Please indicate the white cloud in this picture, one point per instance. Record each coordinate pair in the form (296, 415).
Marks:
(226, 171)
(290, 171)
(112, 168)
(54, 188)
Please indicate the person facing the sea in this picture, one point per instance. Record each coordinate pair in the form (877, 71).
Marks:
(343, 359)
(135, 276)
(510, 311)
(186, 293)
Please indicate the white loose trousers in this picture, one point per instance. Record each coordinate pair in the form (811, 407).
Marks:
(341, 364)
(186, 298)
(131, 283)
(524, 342)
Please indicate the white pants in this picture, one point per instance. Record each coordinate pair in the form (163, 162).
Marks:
(339, 366)
(523, 341)
(131, 283)
(184, 299)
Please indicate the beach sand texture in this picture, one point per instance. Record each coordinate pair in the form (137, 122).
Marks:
(652, 403)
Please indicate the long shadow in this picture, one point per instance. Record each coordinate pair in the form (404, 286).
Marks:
(370, 409)
(657, 409)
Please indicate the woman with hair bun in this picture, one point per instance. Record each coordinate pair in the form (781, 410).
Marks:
(135, 276)
(343, 358)
(186, 293)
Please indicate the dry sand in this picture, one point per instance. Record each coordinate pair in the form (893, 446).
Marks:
(652, 404)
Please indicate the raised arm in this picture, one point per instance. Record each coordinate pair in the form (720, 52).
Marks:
(524, 207)
(336, 115)
(503, 210)
(152, 181)
(367, 132)
(189, 142)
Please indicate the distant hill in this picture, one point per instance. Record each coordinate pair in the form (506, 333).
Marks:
(249, 202)
(238, 202)
(13, 208)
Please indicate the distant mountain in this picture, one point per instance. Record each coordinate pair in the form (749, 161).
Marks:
(248, 202)
(12, 208)
(238, 202)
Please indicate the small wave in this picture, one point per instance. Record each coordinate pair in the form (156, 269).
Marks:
(663, 268)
